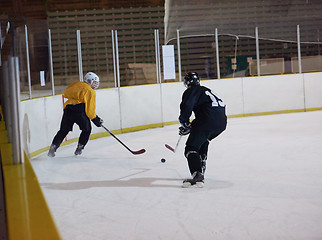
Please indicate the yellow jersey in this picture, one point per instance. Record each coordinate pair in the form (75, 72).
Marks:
(81, 92)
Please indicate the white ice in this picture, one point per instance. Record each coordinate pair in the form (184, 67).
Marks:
(263, 182)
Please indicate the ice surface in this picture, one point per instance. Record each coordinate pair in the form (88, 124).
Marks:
(263, 181)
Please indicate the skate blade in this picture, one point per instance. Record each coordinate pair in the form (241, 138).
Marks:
(189, 185)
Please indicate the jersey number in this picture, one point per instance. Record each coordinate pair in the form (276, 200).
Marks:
(215, 100)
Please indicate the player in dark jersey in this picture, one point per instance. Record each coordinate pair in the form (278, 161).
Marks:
(210, 121)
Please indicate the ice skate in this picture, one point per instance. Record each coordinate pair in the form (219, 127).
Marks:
(52, 150)
(79, 149)
(196, 181)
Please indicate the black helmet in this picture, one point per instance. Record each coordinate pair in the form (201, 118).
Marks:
(191, 79)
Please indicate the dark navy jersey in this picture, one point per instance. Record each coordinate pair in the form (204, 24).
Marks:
(209, 110)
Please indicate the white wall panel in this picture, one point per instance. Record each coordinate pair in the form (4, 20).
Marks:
(273, 93)
(41, 119)
(313, 90)
(141, 105)
(108, 108)
(53, 109)
(171, 98)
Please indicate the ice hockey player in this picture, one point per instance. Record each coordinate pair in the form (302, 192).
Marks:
(210, 121)
(80, 109)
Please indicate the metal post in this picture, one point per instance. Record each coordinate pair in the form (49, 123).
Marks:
(157, 54)
(179, 54)
(114, 60)
(217, 54)
(257, 53)
(28, 62)
(299, 48)
(117, 70)
(79, 54)
(14, 97)
(117, 60)
(159, 63)
(158, 67)
(51, 62)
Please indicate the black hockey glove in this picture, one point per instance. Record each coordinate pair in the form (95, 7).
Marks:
(185, 128)
(97, 121)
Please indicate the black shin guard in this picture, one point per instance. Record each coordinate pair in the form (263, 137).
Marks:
(58, 139)
(83, 138)
(194, 161)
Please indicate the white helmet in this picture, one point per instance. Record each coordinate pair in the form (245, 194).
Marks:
(92, 79)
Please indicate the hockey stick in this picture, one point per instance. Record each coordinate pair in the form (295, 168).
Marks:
(171, 148)
(133, 152)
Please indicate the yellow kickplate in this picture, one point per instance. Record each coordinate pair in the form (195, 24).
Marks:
(6, 153)
(3, 136)
(26, 206)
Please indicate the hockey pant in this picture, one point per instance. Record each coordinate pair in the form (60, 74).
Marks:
(74, 114)
(196, 149)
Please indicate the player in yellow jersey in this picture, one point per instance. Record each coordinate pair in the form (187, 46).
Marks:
(80, 109)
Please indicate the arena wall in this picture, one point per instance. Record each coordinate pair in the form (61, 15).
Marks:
(141, 107)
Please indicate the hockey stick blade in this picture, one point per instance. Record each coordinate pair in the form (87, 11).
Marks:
(170, 148)
(138, 152)
(133, 152)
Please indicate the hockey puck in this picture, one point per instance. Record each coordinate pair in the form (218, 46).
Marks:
(162, 160)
